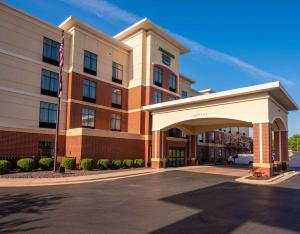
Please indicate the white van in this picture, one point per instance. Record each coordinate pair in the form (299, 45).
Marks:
(241, 159)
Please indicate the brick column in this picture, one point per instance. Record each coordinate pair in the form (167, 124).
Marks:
(159, 150)
(262, 143)
(193, 149)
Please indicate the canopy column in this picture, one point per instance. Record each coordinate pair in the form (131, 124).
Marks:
(262, 147)
(158, 159)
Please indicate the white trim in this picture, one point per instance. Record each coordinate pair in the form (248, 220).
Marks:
(163, 90)
(43, 97)
(225, 94)
(19, 56)
(260, 144)
(75, 70)
(103, 38)
(145, 108)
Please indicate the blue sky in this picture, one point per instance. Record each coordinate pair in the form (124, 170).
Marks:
(234, 43)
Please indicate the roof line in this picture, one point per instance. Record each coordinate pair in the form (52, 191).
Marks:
(223, 94)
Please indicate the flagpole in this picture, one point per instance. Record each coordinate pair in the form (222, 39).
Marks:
(58, 109)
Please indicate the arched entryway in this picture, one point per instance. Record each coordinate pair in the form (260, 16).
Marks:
(264, 108)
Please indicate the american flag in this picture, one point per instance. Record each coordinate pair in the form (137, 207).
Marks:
(61, 61)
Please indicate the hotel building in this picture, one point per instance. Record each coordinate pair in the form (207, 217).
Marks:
(113, 88)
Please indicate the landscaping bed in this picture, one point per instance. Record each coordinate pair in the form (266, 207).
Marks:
(52, 174)
(43, 168)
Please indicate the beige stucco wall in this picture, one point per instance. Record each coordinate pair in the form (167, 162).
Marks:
(106, 54)
(136, 59)
(155, 41)
(276, 111)
(238, 108)
(185, 85)
(21, 48)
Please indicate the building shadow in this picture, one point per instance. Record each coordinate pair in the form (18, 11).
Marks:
(17, 211)
(226, 206)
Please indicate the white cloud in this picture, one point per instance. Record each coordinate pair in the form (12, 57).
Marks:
(105, 10)
(198, 48)
(111, 12)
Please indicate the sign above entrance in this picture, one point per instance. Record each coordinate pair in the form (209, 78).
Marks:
(166, 56)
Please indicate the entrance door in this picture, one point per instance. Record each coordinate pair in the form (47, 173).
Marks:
(176, 157)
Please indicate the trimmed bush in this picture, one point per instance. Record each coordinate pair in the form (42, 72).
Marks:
(46, 163)
(26, 164)
(139, 162)
(87, 164)
(116, 164)
(103, 164)
(128, 163)
(68, 163)
(5, 166)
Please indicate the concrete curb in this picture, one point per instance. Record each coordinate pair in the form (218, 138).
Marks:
(271, 181)
(27, 182)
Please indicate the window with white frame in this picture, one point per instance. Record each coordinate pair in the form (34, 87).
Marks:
(115, 123)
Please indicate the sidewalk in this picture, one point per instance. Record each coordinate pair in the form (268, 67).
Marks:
(27, 182)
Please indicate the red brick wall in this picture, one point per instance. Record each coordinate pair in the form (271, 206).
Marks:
(104, 148)
(166, 73)
(23, 144)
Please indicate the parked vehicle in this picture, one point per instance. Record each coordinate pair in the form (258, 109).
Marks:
(241, 159)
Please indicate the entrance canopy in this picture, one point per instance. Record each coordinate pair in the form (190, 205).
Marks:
(241, 107)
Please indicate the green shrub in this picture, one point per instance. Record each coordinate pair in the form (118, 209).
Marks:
(5, 166)
(116, 164)
(103, 164)
(68, 163)
(139, 162)
(46, 163)
(87, 164)
(26, 164)
(128, 163)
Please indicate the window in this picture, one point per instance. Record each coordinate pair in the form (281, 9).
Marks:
(89, 91)
(212, 137)
(51, 51)
(171, 98)
(44, 148)
(158, 76)
(201, 137)
(116, 99)
(172, 82)
(47, 115)
(184, 94)
(90, 63)
(115, 124)
(183, 134)
(88, 118)
(172, 132)
(157, 98)
(49, 83)
(117, 72)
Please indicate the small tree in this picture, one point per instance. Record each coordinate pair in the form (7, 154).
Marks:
(294, 142)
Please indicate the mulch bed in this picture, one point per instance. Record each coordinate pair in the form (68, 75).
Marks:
(260, 177)
(51, 174)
